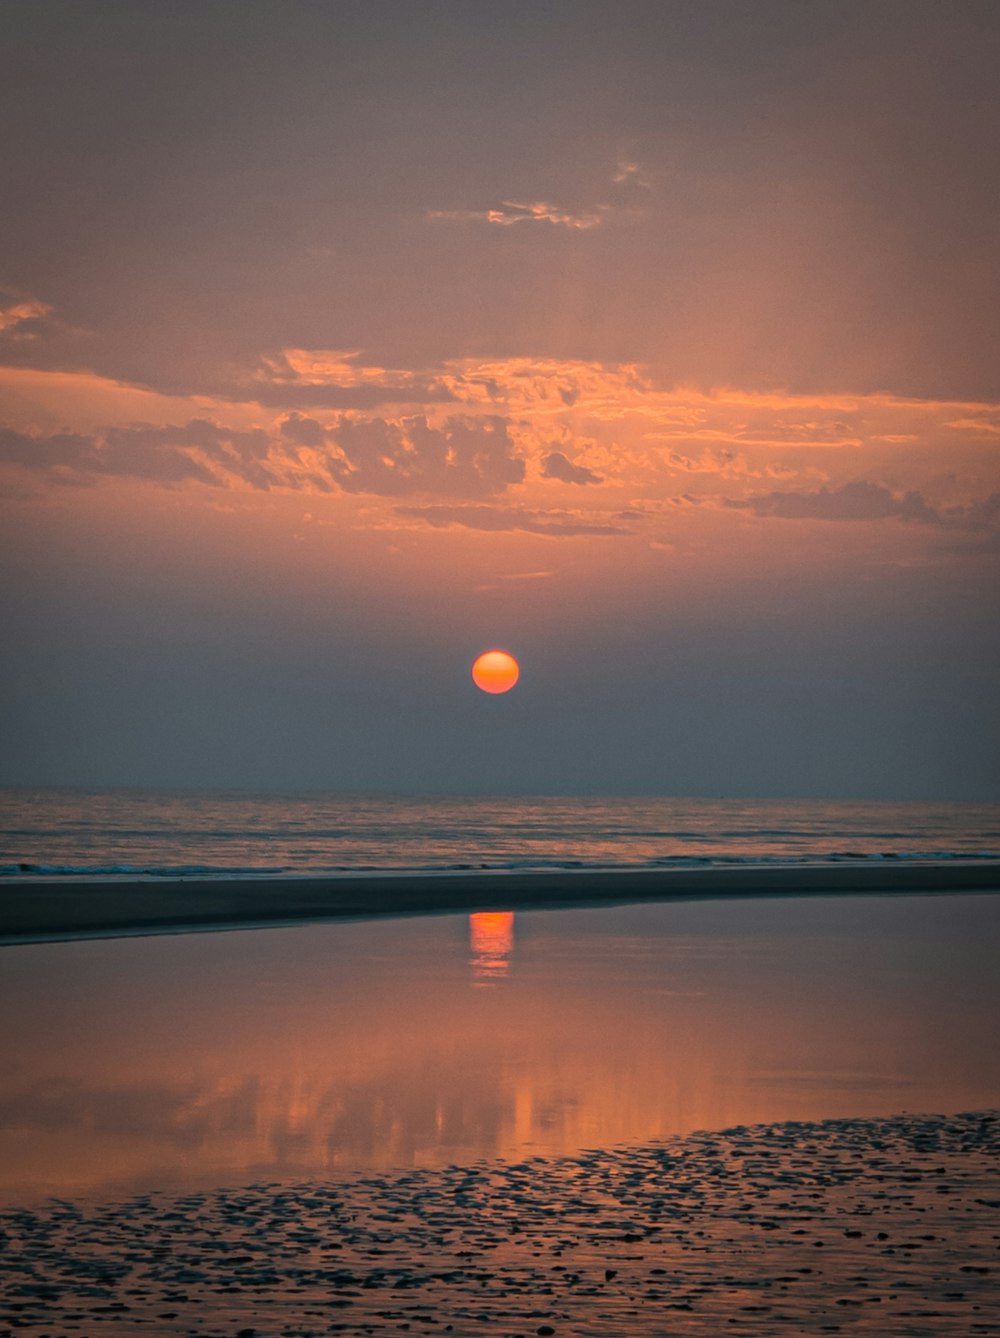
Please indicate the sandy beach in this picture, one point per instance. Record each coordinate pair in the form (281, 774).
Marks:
(75, 907)
(856, 1226)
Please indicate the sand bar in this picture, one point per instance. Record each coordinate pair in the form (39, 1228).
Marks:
(77, 907)
(879, 1226)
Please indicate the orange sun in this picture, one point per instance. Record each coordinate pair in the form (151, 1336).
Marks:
(495, 671)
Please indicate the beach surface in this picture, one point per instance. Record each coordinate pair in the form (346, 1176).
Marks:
(857, 1226)
(70, 907)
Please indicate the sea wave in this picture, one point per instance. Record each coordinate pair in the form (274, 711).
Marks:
(223, 872)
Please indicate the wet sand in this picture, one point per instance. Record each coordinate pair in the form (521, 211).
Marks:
(76, 907)
(855, 1226)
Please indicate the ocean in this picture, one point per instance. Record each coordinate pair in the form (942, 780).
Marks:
(49, 833)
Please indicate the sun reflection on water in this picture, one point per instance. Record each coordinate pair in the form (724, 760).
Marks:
(491, 940)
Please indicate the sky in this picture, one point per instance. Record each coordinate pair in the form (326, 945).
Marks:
(655, 343)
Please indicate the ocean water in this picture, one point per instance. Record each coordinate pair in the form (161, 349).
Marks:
(48, 833)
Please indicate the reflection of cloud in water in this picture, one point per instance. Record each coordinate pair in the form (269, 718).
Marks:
(491, 939)
(182, 1115)
(412, 1115)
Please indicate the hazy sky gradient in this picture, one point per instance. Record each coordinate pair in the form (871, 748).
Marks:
(656, 343)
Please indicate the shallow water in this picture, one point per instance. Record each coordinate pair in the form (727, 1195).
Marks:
(206, 1060)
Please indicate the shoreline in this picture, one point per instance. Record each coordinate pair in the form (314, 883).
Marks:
(42, 910)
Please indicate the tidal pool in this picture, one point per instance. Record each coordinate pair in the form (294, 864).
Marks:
(209, 1060)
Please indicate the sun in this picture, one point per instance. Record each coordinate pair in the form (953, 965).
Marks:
(495, 671)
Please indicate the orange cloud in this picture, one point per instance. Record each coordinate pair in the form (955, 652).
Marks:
(511, 212)
(629, 172)
(14, 315)
(334, 379)
(559, 524)
(511, 430)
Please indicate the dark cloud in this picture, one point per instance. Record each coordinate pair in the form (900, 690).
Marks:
(157, 454)
(60, 450)
(162, 453)
(984, 515)
(558, 466)
(463, 458)
(24, 322)
(303, 431)
(854, 501)
(495, 518)
(868, 501)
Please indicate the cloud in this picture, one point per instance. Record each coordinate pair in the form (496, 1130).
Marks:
(170, 454)
(554, 386)
(200, 451)
(60, 450)
(513, 577)
(978, 515)
(517, 423)
(18, 316)
(32, 333)
(628, 172)
(556, 524)
(853, 501)
(725, 463)
(990, 425)
(525, 575)
(300, 378)
(464, 457)
(512, 212)
(302, 431)
(293, 396)
(557, 466)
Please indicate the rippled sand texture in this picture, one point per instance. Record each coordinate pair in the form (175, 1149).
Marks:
(860, 1226)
